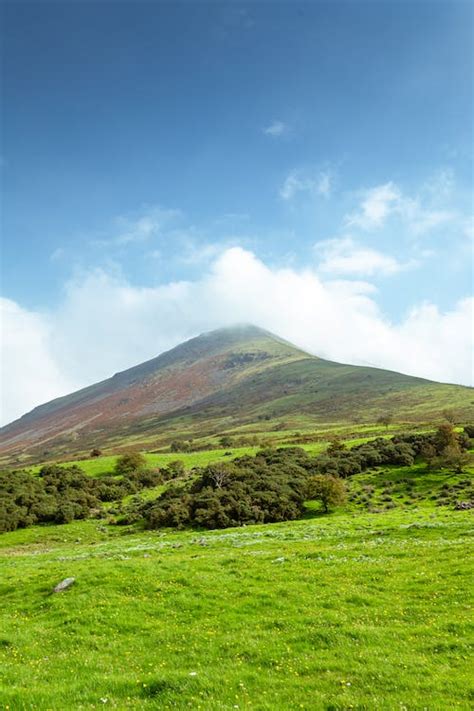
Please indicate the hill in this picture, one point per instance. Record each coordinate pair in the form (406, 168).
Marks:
(224, 380)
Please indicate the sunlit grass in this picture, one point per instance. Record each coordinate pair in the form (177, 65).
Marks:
(350, 610)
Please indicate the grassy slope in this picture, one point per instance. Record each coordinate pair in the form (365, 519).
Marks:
(351, 610)
(104, 465)
(286, 386)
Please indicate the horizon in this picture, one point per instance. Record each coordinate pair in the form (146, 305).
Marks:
(172, 168)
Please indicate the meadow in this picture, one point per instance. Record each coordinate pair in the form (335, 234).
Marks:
(318, 441)
(365, 608)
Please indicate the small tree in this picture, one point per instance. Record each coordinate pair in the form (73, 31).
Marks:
(454, 458)
(386, 419)
(96, 452)
(329, 490)
(129, 462)
(445, 436)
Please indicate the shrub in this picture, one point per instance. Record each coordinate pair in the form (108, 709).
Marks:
(129, 462)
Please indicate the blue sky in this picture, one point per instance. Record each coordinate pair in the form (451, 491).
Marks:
(144, 140)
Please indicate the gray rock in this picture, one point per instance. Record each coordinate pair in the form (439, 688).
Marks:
(64, 584)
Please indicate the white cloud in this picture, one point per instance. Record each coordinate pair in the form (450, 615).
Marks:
(385, 201)
(345, 257)
(376, 205)
(298, 182)
(105, 324)
(30, 372)
(276, 129)
(129, 230)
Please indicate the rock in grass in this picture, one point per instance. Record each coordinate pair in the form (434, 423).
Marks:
(64, 584)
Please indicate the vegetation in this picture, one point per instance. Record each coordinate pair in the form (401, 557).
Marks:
(271, 486)
(322, 613)
(243, 384)
(326, 612)
(129, 462)
(329, 490)
(62, 494)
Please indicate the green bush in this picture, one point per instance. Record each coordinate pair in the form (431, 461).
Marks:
(129, 462)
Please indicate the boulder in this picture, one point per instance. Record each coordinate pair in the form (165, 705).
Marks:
(64, 584)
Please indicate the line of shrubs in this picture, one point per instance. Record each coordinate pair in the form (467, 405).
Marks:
(62, 494)
(274, 484)
(271, 486)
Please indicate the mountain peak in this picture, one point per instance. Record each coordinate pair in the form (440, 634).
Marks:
(223, 378)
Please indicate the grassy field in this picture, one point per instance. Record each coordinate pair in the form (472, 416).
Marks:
(353, 610)
(105, 464)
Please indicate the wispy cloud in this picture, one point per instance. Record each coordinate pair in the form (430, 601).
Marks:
(377, 204)
(143, 227)
(343, 256)
(138, 228)
(276, 129)
(57, 254)
(419, 216)
(299, 182)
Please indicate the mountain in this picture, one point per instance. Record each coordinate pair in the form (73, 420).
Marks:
(223, 380)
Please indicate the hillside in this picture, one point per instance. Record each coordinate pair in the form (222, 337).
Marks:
(222, 381)
(323, 613)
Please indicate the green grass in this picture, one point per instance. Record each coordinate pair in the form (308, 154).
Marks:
(102, 465)
(105, 464)
(351, 610)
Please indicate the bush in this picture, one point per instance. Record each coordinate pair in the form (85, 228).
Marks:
(268, 487)
(129, 462)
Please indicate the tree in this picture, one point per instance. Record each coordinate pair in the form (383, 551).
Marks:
(219, 474)
(445, 436)
(454, 458)
(129, 462)
(385, 419)
(449, 449)
(329, 490)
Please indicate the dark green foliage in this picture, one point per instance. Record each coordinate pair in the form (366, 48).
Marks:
(268, 487)
(62, 494)
(174, 470)
(181, 446)
(469, 431)
(129, 462)
(273, 485)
